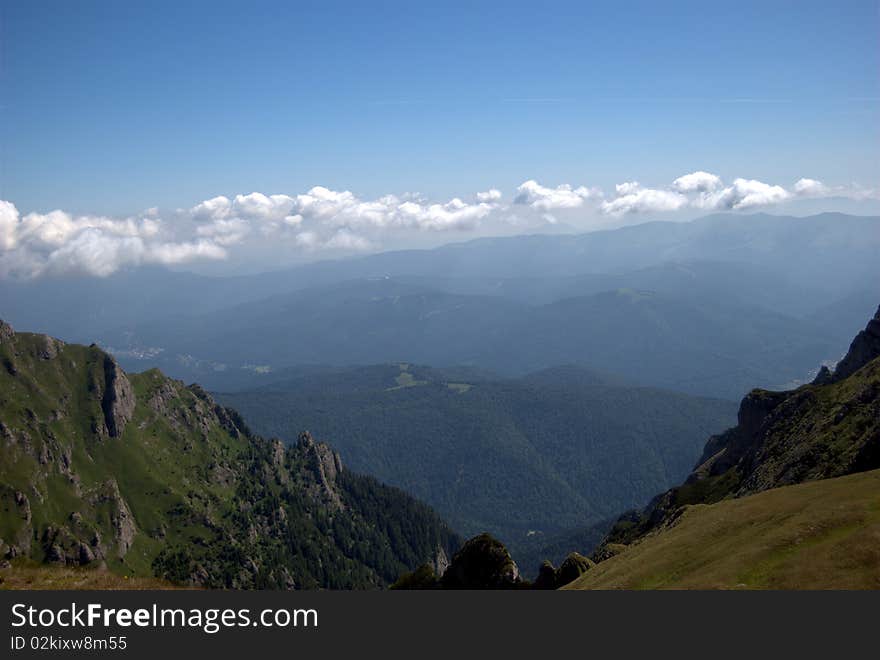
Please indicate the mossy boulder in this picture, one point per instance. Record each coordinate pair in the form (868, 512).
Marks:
(572, 568)
(482, 563)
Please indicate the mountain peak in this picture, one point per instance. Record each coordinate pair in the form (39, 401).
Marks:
(864, 348)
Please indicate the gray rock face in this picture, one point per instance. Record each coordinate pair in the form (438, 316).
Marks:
(121, 518)
(48, 347)
(722, 451)
(19, 540)
(6, 331)
(118, 401)
(325, 465)
(440, 561)
(864, 348)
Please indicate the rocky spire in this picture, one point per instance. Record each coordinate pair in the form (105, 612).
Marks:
(324, 464)
(118, 401)
(864, 348)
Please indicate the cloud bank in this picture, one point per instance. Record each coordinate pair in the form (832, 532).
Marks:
(338, 221)
(532, 193)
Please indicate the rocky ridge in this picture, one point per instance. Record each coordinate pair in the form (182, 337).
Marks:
(143, 475)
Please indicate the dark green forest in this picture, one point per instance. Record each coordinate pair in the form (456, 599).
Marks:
(525, 459)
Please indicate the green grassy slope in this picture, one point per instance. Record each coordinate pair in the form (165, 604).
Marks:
(818, 535)
(145, 476)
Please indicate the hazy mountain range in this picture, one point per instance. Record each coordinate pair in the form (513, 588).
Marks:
(711, 307)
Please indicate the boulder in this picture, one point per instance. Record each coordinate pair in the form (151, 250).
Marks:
(482, 563)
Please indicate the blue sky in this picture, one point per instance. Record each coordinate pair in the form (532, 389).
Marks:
(110, 108)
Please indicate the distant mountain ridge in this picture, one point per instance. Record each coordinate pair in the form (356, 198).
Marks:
(715, 349)
(754, 267)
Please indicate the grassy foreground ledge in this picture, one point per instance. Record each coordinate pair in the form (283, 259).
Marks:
(817, 535)
(39, 577)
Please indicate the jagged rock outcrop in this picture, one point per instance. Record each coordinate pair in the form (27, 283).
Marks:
(440, 561)
(864, 348)
(325, 464)
(6, 331)
(118, 399)
(19, 530)
(48, 347)
(726, 449)
(109, 498)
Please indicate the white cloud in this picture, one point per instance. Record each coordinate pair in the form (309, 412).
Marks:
(632, 198)
(93, 252)
(810, 188)
(342, 209)
(744, 194)
(50, 229)
(225, 232)
(58, 242)
(706, 191)
(255, 206)
(455, 214)
(8, 225)
(340, 221)
(697, 182)
(321, 202)
(627, 188)
(56, 228)
(258, 206)
(563, 196)
(216, 208)
(179, 253)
